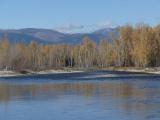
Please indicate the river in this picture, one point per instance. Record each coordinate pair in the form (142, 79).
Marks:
(81, 96)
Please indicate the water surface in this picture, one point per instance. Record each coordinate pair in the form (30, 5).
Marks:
(79, 96)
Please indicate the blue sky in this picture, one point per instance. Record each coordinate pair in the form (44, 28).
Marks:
(77, 15)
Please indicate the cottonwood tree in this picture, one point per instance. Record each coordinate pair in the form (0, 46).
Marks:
(88, 52)
(126, 44)
(4, 54)
(105, 53)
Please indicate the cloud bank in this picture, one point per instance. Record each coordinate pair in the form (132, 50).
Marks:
(71, 28)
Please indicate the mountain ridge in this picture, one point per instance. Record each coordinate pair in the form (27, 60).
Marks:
(49, 36)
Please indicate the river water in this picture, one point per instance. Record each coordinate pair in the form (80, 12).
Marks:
(81, 96)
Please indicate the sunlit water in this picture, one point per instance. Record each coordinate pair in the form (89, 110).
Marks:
(79, 96)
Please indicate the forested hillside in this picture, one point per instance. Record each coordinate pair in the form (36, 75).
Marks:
(136, 46)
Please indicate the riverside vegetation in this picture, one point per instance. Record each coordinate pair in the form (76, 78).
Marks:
(135, 46)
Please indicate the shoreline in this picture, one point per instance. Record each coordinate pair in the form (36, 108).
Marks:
(155, 71)
(9, 73)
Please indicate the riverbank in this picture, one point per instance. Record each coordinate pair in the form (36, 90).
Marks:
(6, 73)
(155, 70)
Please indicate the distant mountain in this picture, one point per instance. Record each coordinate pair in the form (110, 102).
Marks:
(47, 36)
(44, 34)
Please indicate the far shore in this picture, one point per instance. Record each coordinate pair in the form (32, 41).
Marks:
(9, 73)
(139, 70)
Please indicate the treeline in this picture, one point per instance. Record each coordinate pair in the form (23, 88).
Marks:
(135, 46)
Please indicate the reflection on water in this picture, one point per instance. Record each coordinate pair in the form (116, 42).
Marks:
(92, 100)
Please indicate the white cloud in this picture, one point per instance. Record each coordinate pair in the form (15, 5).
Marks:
(71, 28)
(106, 24)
